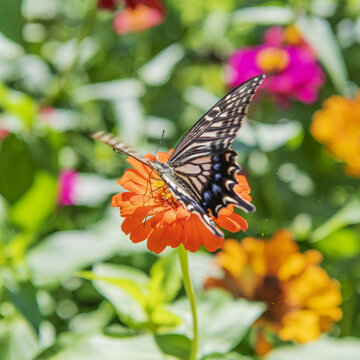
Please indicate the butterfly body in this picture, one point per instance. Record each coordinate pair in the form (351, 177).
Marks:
(201, 172)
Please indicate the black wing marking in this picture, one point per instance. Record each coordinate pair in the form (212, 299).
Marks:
(186, 197)
(212, 181)
(116, 143)
(216, 130)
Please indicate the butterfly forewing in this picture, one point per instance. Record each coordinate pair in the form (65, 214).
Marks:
(217, 129)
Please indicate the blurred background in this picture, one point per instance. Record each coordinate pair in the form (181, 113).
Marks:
(135, 68)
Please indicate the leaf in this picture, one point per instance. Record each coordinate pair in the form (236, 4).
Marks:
(348, 215)
(37, 204)
(93, 320)
(79, 248)
(17, 338)
(18, 104)
(324, 349)
(16, 168)
(344, 243)
(269, 137)
(11, 20)
(165, 279)
(229, 356)
(158, 70)
(264, 15)
(174, 344)
(317, 32)
(23, 296)
(125, 288)
(223, 321)
(103, 347)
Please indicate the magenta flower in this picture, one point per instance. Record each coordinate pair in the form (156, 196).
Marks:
(66, 187)
(292, 71)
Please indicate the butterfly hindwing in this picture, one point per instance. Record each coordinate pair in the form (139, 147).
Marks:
(217, 129)
(212, 180)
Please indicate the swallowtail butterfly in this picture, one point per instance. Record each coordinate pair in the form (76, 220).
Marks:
(201, 171)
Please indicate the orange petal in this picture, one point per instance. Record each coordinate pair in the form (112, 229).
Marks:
(163, 156)
(233, 222)
(174, 235)
(141, 232)
(191, 240)
(140, 167)
(130, 223)
(157, 240)
(169, 217)
(135, 176)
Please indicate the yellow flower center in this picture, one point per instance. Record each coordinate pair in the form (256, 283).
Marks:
(292, 35)
(163, 194)
(272, 60)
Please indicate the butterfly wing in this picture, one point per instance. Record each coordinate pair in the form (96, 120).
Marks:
(212, 181)
(217, 129)
(116, 144)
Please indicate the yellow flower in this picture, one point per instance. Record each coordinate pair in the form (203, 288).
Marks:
(337, 126)
(302, 300)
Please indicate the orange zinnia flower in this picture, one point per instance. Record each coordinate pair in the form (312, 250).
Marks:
(151, 212)
(337, 125)
(302, 300)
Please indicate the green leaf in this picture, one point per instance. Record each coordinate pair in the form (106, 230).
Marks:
(17, 338)
(93, 320)
(264, 15)
(324, 349)
(317, 32)
(11, 20)
(125, 288)
(174, 344)
(102, 347)
(23, 296)
(94, 246)
(229, 356)
(223, 321)
(18, 104)
(348, 215)
(165, 279)
(344, 243)
(16, 168)
(37, 204)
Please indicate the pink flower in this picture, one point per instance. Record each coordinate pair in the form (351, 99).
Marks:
(66, 187)
(139, 15)
(292, 70)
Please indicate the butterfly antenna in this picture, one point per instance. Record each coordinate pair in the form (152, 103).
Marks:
(162, 138)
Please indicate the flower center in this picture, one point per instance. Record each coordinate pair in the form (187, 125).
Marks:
(292, 35)
(271, 292)
(272, 60)
(163, 194)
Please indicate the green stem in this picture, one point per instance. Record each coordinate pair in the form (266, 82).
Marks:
(184, 263)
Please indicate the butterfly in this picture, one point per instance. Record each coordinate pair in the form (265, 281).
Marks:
(201, 171)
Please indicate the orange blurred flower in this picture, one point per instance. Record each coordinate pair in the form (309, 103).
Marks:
(151, 212)
(139, 15)
(337, 126)
(302, 300)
